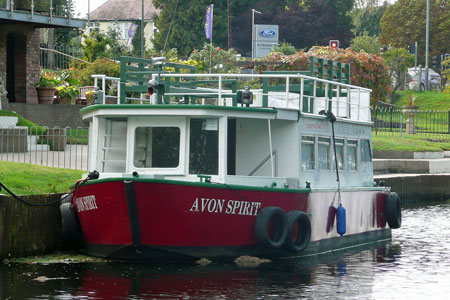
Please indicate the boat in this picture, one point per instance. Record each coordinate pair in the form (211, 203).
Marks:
(197, 167)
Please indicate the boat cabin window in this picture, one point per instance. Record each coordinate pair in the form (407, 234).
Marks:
(204, 146)
(324, 153)
(366, 154)
(157, 147)
(351, 154)
(308, 158)
(340, 153)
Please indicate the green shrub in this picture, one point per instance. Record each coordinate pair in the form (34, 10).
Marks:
(100, 66)
(367, 70)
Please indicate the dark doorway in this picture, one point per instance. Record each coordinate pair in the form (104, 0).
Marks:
(16, 66)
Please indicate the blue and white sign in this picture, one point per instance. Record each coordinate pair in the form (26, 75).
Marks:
(265, 38)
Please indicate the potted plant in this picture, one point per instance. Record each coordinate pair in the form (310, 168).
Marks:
(68, 88)
(46, 87)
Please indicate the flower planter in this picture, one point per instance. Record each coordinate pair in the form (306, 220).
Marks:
(45, 95)
(410, 112)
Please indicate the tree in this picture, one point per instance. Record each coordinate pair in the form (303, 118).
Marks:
(366, 43)
(405, 21)
(366, 20)
(397, 60)
(94, 46)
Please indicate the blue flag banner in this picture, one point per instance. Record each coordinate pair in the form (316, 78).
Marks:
(209, 21)
(131, 33)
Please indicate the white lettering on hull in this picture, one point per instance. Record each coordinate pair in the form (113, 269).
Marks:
(229, 207)
(86, 203)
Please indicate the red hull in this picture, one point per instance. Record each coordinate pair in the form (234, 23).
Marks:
(121, 219)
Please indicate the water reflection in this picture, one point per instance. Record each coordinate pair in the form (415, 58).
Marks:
(416, 265)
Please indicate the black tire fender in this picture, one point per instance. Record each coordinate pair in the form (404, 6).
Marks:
(271, 227)
(392, 210)
(71, 229)
(299, 231)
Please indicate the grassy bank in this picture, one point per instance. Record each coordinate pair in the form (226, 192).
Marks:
(28, 179)
(408, 144)
(429, 100)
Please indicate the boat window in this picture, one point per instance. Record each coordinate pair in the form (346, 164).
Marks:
(340, 153)
(366, 154)
(308, 153)
(157, 147)
(351, 154)
(324, 153)
(204, 146)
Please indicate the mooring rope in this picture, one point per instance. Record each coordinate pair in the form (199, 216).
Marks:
(91, 175)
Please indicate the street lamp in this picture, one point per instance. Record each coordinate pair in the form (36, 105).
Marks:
(427, 43)
(253, 31)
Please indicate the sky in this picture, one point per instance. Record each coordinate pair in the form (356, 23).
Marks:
(81, 6)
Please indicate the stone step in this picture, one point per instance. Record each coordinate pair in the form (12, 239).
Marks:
(411, 166)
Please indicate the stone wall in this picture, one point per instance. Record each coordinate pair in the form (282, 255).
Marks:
(28, 230)
(51, 115)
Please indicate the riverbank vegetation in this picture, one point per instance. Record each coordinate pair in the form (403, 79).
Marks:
(29, 179)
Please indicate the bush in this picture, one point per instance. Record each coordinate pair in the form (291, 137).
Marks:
(100, 66)
(367, 70)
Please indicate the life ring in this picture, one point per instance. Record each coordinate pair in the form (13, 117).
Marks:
(299, 231)
(71, 229)
(271, 227)
(392, 210)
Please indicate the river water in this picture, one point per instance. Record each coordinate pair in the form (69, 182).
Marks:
(414, 265)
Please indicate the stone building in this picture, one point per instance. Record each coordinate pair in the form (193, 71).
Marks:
(19, 47)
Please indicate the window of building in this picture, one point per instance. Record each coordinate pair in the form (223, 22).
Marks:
(204, 146)
(351, 155)
(308, 157)
(366, 154)
(324, 153)
(340, 153)
(157, 147)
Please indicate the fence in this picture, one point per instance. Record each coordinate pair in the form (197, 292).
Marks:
(59, 58)
(411, 122)
(53, 147)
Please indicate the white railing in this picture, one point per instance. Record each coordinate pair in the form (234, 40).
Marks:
(355, 104)
(103, 79)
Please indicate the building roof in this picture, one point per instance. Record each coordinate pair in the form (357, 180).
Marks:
(124, 10)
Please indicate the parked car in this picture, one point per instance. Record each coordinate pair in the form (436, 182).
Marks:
(412, 79)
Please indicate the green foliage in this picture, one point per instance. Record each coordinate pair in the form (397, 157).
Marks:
(397, 60)
(222, 61)
(100, 66)
(48, 79)
(366, 20)
(284, 48)
(94, 46)
(29, 179)
(446, 75)
(33, 128)
(367, 70)
(404, 23)
(366, 43)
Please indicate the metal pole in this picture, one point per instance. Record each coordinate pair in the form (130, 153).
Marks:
(89, 17)
(427, 44)
(210, 41)
(415, 55)
(253, 32)
(142, 31)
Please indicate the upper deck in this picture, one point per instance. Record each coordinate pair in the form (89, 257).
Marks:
(202, 124)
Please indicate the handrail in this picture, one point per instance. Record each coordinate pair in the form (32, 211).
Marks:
(64, 54)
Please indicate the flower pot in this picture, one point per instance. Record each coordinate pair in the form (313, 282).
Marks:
(45, 94)
(66, 99)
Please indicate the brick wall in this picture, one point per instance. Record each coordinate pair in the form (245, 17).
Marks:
(50, 115)
(26, 59)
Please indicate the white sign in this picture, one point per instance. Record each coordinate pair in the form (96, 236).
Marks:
(266, 36)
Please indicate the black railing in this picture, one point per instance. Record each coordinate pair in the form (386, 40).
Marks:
(411, 122)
